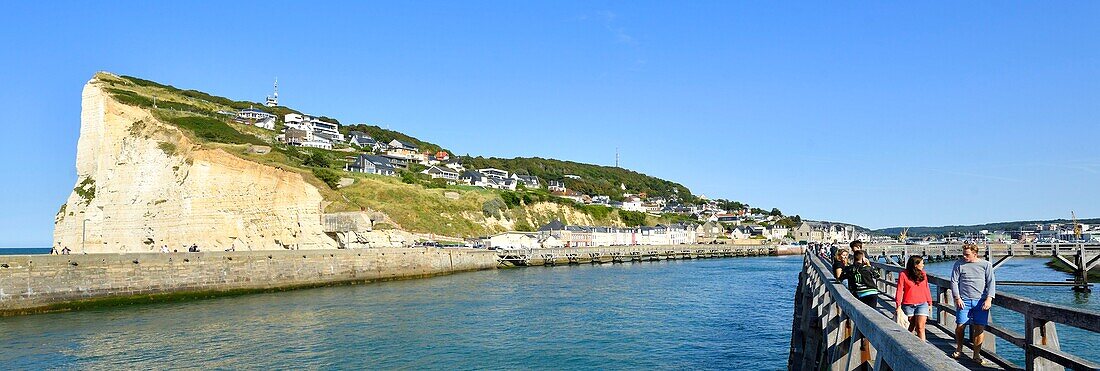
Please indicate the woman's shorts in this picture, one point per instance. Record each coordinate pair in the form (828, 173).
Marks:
(921, 309)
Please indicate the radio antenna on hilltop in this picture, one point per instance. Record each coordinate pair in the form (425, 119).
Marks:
(616, 156)
(273, 100)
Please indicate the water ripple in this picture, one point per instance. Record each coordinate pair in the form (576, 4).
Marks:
(703, 314)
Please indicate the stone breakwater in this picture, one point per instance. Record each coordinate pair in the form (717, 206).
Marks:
(41, 283)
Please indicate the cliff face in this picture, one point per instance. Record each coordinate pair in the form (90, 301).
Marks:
(142, 184)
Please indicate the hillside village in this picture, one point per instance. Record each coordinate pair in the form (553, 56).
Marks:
(705, 221)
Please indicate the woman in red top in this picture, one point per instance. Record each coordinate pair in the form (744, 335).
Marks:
(913, 297)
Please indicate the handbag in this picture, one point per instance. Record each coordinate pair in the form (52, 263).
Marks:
(901, 318)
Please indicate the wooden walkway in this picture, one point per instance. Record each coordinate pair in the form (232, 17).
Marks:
(829, 324)
(941, 338)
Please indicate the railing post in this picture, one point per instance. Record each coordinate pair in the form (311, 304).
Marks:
(947, 320)
(1039, 332)
(853, 349)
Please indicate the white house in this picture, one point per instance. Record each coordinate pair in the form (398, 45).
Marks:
(437, 172)
(494, 172)
(323, 129)
(514, 240)
(456, 166)
(304, 138)
(555, 186)
(258, 118)
(633, 203)
(529, 181)
(741, 233)
(777, 232)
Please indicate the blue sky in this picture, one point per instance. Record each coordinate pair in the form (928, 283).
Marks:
(875, 114)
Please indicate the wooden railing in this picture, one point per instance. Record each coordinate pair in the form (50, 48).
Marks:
(1039, 340)
(830, 325)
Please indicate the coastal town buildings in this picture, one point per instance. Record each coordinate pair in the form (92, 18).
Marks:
(256, 117)
(558, 234)
(309, 131)
(371, 164)
(366, 142)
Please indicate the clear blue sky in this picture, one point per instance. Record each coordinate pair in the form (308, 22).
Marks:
(875, 114)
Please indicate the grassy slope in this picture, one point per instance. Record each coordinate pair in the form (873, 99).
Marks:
(414, 207)
(595, 179)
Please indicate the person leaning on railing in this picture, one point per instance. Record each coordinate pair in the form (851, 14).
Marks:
(973, 286)
(913, 298)
(862, 278)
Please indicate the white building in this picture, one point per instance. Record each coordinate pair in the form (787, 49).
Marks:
(256, 117)
(633, 203)
(514, 240)
(304, 138)
(322, 129)
(494, 173)
(555, 186)
(437, 172)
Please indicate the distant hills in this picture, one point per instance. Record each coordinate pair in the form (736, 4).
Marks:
(1000, 226)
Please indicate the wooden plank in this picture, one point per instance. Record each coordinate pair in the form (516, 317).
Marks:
(1007, 335)
(1067, 262)
(1065, 359)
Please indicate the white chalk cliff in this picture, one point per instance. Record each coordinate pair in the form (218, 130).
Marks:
(142, 184)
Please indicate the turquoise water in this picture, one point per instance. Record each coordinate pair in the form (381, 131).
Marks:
(700, 314)
(24, 250)
(697, 314)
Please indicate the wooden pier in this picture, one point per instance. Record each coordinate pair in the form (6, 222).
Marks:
(623, 254)
(830, 324)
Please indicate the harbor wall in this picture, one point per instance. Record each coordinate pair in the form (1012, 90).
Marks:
(39, 283)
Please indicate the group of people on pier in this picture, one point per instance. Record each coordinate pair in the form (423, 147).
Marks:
(973, 287)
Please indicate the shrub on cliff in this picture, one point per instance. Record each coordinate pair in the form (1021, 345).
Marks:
(493, 208)
(632, 218)
(214, 130)
(317, 159)
(328, 176)
(511, 199)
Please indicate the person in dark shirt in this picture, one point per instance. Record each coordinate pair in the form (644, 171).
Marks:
(862, 278)
(840, 260)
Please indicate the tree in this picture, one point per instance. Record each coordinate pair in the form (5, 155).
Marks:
(632, 218)
(775, 212)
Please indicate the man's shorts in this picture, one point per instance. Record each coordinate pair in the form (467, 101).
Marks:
(972, 313)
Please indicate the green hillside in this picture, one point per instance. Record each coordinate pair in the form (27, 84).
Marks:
(411, 201)
(594, 179)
